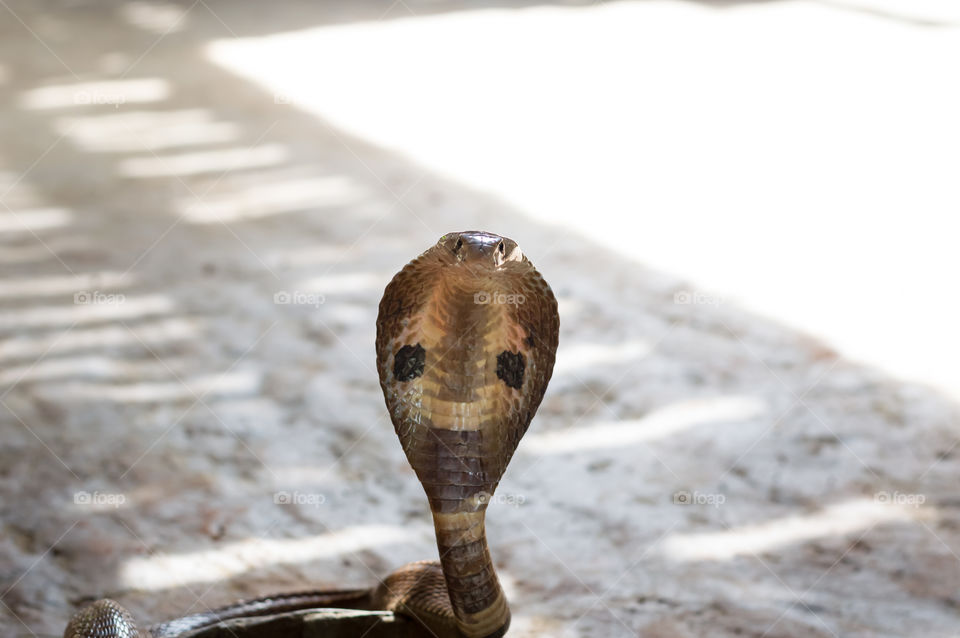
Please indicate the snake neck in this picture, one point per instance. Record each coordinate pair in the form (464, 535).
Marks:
(476, 597)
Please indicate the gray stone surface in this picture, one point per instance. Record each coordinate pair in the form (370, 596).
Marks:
(150, 425)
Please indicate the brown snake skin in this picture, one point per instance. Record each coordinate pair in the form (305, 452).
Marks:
(466, 339)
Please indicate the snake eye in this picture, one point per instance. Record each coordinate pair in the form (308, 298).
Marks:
(458, 246)
(510, 367)
(500, 248)
(408, 362)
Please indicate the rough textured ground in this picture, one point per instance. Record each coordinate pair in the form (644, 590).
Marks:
(176, 383)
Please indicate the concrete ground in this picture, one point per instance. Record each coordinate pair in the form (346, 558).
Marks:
(192, 257)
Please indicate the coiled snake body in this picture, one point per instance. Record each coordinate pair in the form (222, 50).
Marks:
(466, 339)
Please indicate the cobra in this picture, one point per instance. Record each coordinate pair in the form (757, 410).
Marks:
(466, 340)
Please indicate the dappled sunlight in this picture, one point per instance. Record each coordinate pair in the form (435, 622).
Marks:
(91, 366)
(32, 220)
(133, 131)
(94, 308)
(660, 424)
(293, 475)
(321, 254)
(569, 307)
(249, 414)
(218, 161)
(47, 251)
(63, 285)
(235, 383)
(87, 94)
(158, 17)
(207, 566)
(152, 332)
(345, 283)
(274, 198)
(751, 540)
(594, 355)
(350, 314)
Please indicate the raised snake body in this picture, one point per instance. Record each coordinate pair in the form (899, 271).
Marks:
(466, 339)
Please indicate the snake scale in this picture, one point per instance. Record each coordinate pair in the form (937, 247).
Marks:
(466, 340)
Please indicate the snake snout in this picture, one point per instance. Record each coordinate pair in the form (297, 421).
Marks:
(481, 247)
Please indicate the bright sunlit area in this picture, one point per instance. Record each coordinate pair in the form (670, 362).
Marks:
(731, 411)
(796, 158)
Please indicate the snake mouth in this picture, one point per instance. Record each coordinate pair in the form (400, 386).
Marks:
(478, 247)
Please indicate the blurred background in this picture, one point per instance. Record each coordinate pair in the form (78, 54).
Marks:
(747, 210)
